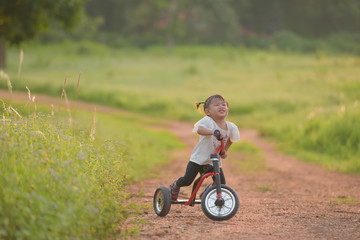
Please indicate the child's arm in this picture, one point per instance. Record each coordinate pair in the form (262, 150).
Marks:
(204, 131)
(227, 146)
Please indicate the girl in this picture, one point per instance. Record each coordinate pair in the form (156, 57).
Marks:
(216, 109)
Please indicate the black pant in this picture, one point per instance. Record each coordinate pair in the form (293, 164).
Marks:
(192, 170)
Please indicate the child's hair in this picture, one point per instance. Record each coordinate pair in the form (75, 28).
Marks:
(209, 100)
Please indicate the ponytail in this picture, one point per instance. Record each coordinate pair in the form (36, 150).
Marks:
(197, 104)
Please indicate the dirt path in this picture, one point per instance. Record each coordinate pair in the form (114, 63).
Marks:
(303, 201)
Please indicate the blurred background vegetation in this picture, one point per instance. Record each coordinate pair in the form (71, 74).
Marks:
(306, 26)
(278, 62)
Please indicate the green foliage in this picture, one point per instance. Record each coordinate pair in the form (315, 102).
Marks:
(63, 179)
(250, 160)
(144, 23)
(139, 23)
(287, 41)
(22, 20)
(55, 183)
(308, 19)
(210, 22)
(146, 148)
(86, 28)
(246, 147)
(333, 134)
(342, 43)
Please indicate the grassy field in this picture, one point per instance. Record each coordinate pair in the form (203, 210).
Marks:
(307, 103)
(63, 177)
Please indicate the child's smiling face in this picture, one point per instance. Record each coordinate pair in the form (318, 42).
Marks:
(218, 109)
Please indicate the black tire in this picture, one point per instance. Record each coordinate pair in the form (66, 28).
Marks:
(225, 212)
(162, 201)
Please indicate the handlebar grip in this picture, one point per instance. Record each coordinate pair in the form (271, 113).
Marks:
(217, 134)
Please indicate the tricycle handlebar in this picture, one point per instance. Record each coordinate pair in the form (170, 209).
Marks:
(220, 149)
(217, 134)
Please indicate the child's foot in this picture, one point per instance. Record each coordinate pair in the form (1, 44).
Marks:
(207, 187)
(174, 192)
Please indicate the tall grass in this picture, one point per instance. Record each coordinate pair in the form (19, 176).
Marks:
(56, 184)
(61, 179)
(146, 148)
(331, 138)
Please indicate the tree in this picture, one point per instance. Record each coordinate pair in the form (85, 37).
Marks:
(307, 18)
(22, 20)
(211, 22)
(318, 18)
(144, 22)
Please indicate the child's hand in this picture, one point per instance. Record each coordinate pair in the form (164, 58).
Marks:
(223, 155)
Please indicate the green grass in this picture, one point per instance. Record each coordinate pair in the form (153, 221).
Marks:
(146, 148)
(57, 182)
(249, 159)
(262, 188)
(330, 138)
(270, 91)
(53, 182)
(343, 200)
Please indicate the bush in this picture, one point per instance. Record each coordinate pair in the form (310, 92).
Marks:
(344, 43)
(341, 42)
(289, 41)
(56, 183)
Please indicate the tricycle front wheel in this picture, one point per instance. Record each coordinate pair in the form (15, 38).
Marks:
(162, 202)
(222, 212)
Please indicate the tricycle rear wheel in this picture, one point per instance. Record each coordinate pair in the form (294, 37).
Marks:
(162, 202)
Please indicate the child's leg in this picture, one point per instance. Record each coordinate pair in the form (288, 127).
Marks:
(192, 170)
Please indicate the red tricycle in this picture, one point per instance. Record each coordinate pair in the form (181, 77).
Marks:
(219, 202)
